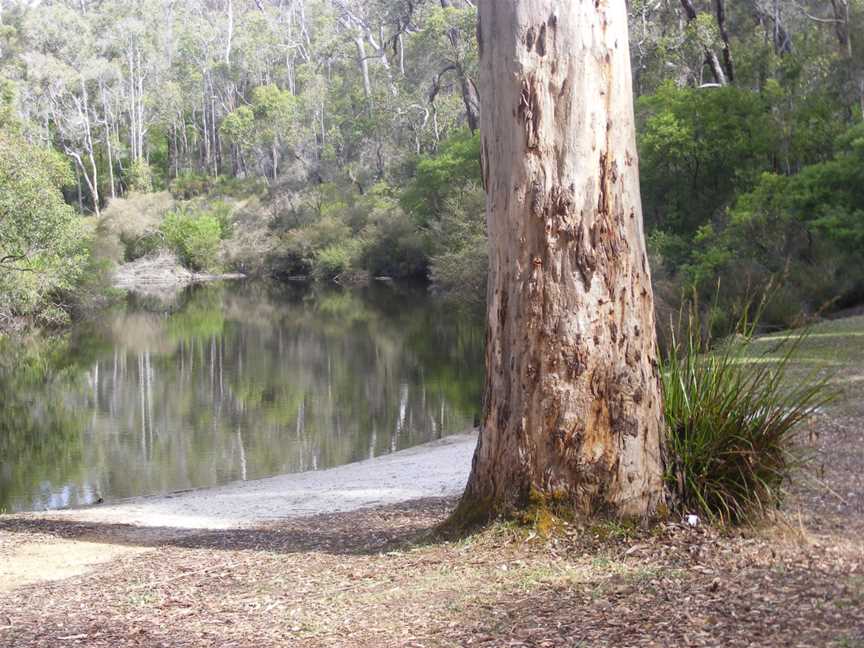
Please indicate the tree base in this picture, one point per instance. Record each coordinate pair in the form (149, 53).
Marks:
(542, 512)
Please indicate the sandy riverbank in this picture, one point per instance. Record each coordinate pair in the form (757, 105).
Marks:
(437, 469)
(162, 274)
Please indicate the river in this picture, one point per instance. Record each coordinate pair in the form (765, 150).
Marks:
(230, 382)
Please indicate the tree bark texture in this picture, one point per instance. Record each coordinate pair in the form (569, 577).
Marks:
(572, 397)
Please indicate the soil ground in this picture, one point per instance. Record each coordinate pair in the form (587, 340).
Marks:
(380, 577)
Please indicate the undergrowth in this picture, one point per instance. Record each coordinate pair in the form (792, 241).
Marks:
(732, 414)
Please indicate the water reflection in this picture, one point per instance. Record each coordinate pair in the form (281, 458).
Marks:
(231, 382)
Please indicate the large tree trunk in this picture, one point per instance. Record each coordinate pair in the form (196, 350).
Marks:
(572, 407)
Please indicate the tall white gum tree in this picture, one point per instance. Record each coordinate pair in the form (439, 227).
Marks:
(572, 406)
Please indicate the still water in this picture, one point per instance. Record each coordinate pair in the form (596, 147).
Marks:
(230, 382)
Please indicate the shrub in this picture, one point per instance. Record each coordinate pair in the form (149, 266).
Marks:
(189, 185)
(392, 247)
(327, 231)
(457, 162)
(140, 177)
(461, 276)
(42, 240)
(223, 212)
(140, 246)
(240, 188)
(129, 227)
(195, 238)
(335, 259)
(460, 266)
(732, 415)
(294, 255)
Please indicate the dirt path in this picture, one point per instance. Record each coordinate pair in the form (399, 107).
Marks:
(53, 559)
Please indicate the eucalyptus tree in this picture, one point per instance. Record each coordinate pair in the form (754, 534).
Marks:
(41, 250)
(572, 409)
(266, 125)
(64, 69)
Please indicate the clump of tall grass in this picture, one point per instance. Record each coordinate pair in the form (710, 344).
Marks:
(732, 413)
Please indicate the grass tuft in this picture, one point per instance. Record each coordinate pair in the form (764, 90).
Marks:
(732, 414)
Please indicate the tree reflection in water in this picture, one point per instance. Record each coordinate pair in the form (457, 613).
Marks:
(231, 382)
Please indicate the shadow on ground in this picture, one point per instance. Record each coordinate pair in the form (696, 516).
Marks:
(368, 531)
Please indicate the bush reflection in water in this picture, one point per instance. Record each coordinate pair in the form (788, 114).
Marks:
(229, 382)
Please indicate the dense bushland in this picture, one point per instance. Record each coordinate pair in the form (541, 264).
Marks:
(43, 242)
(336, 140)
(726, 201)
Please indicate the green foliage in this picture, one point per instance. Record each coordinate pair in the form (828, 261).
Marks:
(456, 163)
(732, 412)
(144, 245)
(830, 195)
(194, 237)
(263, 125)
(238, 127)
(460, 265)
(335, 259)
(462, 274)
(9, 121)
(223, 212)
(393, 247)
(191, 184)
(42, 241)
(745, 184)
(392, 244)
(140, 177)
(697, 147)
(333, 230)
(330, 228)
(803, 233)
(129, 227)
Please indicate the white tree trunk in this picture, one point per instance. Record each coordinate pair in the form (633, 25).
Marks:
(230, 37)
(360, 44)
(572, 408)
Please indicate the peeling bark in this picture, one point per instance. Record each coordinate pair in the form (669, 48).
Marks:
(572, 406)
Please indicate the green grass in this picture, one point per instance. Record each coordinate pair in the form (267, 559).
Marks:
(827, 342)
(732, 412)
(832, 350)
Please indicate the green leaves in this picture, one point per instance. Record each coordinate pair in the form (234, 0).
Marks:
(194, 237)
(732, 413)
(697, 148)
(42, 242)
(457, 162)
(269, 119)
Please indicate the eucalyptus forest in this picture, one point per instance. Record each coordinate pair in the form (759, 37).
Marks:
(322, 138)
(430, 323)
